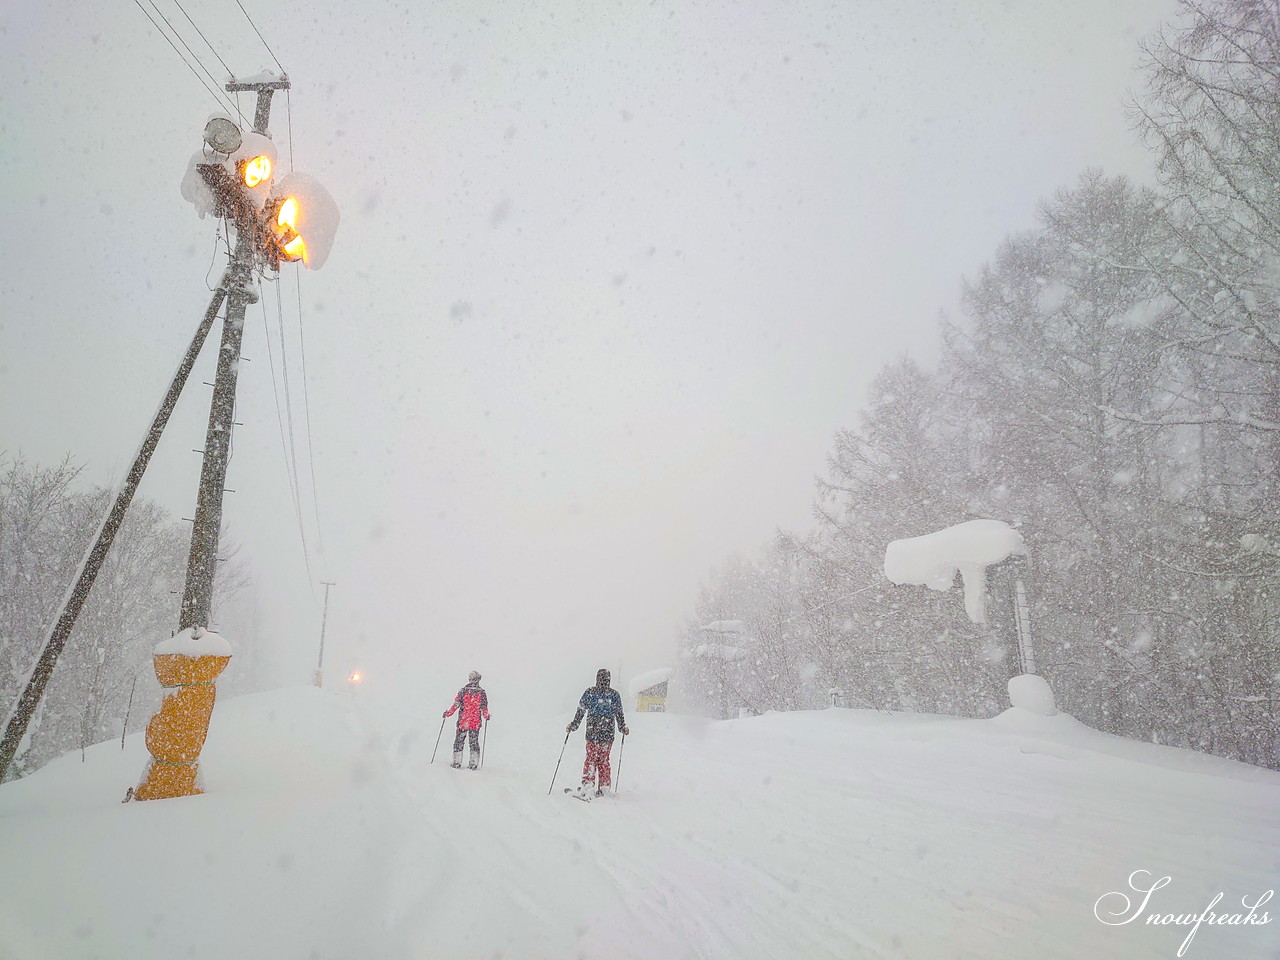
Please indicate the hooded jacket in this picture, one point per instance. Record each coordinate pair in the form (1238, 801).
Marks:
(602, 706)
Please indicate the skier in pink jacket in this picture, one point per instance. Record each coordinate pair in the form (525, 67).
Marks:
(473, 703)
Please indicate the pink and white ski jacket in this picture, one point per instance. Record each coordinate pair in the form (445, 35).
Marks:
(474, 704)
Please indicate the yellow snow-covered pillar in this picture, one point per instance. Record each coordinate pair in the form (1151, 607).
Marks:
(187, 666)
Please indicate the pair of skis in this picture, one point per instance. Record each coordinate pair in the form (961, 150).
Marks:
(578, 793)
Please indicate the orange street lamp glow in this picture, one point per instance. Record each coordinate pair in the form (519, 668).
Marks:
(355, 677)
(255, 171)
(287, 220)
(302, 219)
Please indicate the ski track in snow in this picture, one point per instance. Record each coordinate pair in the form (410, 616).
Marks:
(712, 851)
(835, 835)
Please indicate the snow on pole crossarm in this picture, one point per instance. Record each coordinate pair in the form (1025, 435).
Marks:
(262, 77)
(967, 548)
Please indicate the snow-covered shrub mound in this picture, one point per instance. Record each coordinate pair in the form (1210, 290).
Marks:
(1032, 692)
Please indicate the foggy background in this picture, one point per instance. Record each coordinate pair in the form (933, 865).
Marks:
(608, 279)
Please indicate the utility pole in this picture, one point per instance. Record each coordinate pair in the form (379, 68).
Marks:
(202, 563)
(287, 219)
(324, 622)
(1022, 616)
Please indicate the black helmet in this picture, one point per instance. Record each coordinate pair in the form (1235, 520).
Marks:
(602, 677)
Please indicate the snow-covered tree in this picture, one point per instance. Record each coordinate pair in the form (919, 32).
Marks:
(46, 523)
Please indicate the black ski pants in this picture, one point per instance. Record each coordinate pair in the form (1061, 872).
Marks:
(462, 736)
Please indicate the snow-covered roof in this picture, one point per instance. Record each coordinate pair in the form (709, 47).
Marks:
(725, 626)
(650, 678)
(720, 651)
(933, 560)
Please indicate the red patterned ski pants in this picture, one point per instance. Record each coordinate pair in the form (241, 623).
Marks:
(597, 762)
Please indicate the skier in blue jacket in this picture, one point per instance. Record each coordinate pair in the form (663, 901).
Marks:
(603, 708)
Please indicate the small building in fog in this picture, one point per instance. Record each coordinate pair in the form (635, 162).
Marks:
(649, 690)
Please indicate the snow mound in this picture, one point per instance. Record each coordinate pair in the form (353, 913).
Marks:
(1032, 692)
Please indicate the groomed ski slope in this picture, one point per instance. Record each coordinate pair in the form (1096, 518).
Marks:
(839, 834)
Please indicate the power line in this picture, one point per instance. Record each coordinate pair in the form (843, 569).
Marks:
(288, 112)
(217, 55)
(213, 92)
(275, 389)
(285, 418)
(212, 50)
(217, 238)
(261, 37)
(306, 406)
(185, 46)
(288, 416)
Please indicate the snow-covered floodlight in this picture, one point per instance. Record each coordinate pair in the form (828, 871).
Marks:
(236, 185)
(304, 221)
(222, 135)
(967, 548)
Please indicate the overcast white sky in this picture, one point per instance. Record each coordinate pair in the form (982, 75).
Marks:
(609, 277)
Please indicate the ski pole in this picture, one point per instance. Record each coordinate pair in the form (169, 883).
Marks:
(438, 736)
(484, 738)
(557, 773)
(622, 746)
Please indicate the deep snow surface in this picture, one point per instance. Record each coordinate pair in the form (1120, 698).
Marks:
(841, 834)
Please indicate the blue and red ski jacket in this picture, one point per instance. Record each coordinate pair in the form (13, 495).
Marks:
(603, 708)
(474, 704)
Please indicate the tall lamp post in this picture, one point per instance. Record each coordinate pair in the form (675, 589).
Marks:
(276, 220)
